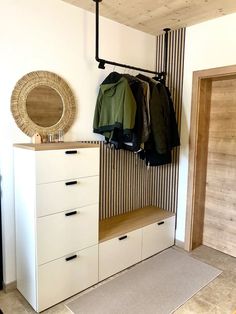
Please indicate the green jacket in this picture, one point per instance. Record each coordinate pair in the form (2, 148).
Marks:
(115, 108)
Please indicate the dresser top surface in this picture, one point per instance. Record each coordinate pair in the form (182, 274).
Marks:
(55, 146)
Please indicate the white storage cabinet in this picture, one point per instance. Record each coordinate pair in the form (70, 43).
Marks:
(56, 203)
(132, 237)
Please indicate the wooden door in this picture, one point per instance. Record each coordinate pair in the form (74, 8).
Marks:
(219, 229)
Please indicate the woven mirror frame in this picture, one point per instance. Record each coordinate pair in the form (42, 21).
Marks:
(25, 86)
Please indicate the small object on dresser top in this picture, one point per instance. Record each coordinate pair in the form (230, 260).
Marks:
(51, 138)
(36, 138)
(60, 136)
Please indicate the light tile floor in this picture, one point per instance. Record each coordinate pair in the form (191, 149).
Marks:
(218, 297)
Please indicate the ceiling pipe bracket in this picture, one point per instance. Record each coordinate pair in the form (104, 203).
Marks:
(103, 62)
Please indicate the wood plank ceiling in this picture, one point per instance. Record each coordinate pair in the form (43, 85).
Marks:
(151, 16)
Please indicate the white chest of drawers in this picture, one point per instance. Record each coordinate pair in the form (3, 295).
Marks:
(56, 202)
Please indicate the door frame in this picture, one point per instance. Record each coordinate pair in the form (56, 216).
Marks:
(198, 151)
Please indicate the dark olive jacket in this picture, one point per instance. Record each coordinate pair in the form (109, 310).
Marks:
(115, 107)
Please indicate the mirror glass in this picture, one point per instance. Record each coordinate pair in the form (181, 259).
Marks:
(44, 106)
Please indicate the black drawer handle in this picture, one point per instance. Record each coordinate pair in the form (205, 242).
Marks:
(69, 152)
(161, 223)
(71, 213)
(124, 237)
(71, 257)
(71, 182)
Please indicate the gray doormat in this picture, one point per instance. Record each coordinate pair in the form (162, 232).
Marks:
(158, 285)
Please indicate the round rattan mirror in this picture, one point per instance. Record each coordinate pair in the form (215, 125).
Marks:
(42, 102)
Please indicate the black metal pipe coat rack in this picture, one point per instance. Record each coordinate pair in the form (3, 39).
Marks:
(102, 62)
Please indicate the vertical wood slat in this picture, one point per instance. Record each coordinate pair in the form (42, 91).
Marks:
(125, 181)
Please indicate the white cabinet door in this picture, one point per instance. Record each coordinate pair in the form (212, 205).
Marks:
(63, 278)
(119, 253)
(59, 165)
(66, 232)
(66, 195)
(158, 236)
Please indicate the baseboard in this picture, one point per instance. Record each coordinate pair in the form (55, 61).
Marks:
(9, 286)
(180, 244)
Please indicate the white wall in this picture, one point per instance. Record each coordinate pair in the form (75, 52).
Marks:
(208, 45)
(55, 36)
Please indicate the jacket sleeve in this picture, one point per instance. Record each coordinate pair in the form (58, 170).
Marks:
(174, 139)
(159, 127)
(129, 110)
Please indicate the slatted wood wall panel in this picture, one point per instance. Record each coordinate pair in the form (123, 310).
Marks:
(125, 182)
(164, 181)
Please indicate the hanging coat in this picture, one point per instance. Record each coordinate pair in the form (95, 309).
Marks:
(140, 131)
(115, 109)
(164, 131)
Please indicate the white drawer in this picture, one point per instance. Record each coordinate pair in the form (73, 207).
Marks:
(61, 279)
(158, 236)
(66, 195)
(119, 253)
(57, 165)
(66, 232)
